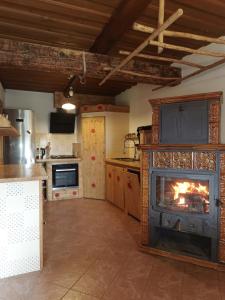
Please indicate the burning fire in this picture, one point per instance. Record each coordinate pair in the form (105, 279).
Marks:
(185, 187)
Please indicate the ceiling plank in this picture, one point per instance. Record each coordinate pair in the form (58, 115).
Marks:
(121, 20)
(29, 56)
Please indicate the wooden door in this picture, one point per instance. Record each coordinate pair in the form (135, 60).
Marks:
(132, 194)
(118, 193)
(93, 155)
(110, 183)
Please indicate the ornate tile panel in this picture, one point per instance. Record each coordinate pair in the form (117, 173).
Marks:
(205, 161)
(182, 160)
(214, 133)
(162, 159)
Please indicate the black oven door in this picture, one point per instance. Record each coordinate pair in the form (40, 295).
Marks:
(65, 175)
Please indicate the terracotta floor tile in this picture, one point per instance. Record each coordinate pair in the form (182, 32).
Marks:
(92, 247)
(202, 285)
(131, 281)
(30, 286)
(72, 295)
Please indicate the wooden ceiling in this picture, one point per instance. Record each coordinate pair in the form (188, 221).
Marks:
(82, 25)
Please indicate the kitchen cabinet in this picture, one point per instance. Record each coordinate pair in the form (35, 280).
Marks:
(102, 135)
(132, 192)
(6, 129)
(110, 183)
(115, 185)
(93, 154)
(123, 188)
(119, 187)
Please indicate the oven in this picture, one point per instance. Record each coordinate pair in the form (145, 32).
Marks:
(65, 175)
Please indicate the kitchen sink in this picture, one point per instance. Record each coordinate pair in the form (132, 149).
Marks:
(128, 159)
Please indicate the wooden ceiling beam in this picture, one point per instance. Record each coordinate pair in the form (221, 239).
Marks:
(121, 20)
(27, 56)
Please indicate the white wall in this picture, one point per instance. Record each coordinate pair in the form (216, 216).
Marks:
(40, 103)
(138, 96)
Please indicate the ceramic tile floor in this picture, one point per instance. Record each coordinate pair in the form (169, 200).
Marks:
(91, 254)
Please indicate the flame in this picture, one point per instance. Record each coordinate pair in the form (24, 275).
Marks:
(188, 187)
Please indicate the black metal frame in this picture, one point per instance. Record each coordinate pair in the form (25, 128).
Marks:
(209, 222)
(65, 168)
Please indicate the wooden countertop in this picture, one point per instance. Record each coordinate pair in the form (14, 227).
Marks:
(125, 164)
(16, 172)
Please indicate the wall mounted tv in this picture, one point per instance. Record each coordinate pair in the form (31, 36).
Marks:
(61, 122)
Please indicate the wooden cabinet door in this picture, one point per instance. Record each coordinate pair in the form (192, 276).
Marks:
(118, 193)
(132, 194)
(93, 154)
(110, 183)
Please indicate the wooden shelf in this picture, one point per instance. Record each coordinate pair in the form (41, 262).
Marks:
(8, 131)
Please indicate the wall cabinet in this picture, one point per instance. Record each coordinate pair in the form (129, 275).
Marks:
(123, 189)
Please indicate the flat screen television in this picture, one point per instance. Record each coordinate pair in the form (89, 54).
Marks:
(62, 122)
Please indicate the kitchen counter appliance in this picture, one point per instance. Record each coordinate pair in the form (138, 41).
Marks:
(65, 176)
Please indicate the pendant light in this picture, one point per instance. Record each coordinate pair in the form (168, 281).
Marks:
(68, 105)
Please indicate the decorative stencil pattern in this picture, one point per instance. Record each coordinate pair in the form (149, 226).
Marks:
(19, 228)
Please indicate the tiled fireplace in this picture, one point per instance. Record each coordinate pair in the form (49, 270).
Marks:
(183, 193)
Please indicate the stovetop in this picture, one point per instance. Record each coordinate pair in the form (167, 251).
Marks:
(62, 156)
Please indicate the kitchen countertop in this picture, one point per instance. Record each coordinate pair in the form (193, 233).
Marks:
(126, 164)
(16, 172)
(50, 160)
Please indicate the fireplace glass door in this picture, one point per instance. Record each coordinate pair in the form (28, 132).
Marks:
(182, 194)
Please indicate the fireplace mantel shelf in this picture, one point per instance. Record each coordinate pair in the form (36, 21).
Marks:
(200, 147)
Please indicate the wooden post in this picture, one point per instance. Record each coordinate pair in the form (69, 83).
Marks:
(167, 23)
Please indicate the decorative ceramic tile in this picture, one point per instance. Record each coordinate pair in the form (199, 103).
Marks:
(19, 228)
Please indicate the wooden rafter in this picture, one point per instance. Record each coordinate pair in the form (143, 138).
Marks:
(206, 68)
(162, 58)
(160, 22)
(165, 25)
(178, 34)
(138, 74)
(122, 19)
(34, 57)
(186, 49)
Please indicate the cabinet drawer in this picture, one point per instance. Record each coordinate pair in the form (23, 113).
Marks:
(65, 194)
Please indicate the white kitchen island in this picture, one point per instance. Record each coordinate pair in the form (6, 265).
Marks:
(20, 219)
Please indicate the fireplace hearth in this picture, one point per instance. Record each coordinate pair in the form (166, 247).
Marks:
(184, 212)
(183, 184)
(182, 194)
